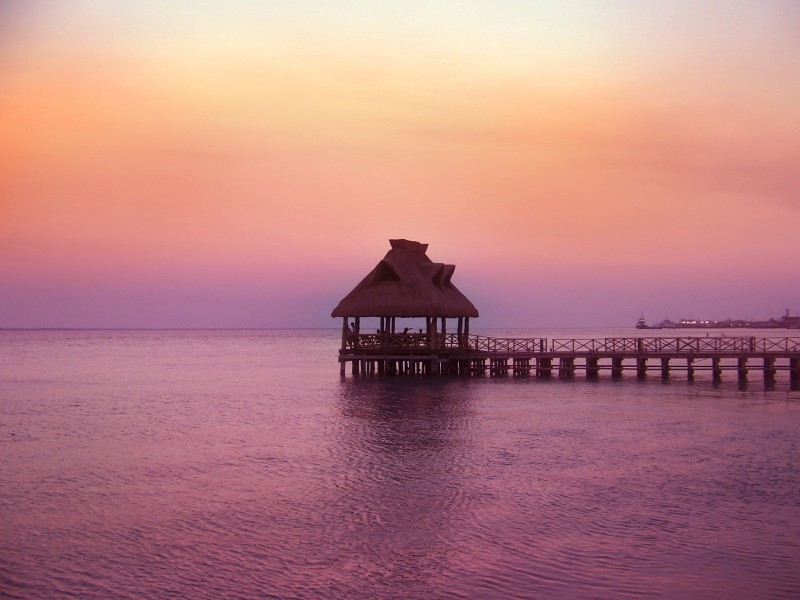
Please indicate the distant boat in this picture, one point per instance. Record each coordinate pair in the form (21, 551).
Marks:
(665, 324)
(642, 324)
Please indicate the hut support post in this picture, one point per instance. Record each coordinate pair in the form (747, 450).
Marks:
(428, 330)
(344, 333)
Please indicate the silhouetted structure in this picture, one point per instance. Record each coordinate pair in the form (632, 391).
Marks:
(406, 283)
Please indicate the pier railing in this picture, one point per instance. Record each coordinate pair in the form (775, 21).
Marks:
(390, 341)
(481, 343)
(691, 345)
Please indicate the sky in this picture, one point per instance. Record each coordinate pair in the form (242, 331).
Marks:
(244, 163)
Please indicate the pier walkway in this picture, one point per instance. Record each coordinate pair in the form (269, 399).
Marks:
(457, 354)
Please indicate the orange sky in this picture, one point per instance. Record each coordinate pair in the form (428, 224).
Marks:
(245, 165)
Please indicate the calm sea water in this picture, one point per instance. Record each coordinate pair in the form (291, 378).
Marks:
(237, 464)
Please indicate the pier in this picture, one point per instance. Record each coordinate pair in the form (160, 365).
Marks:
(407, 284)
(464, 354)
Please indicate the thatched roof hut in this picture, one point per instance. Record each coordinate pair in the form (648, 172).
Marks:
(406, 283)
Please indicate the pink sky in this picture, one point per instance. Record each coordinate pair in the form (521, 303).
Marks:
(240, 165)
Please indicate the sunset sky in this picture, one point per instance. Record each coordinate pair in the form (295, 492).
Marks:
(244, 163)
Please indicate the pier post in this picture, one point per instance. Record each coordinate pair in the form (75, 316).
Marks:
(566, 367)
(499, 366)
(794, 373)
(716, 370)
(641, 366)
(522, 366)
(616, 367)
(665, 368)
(742, 369)
(769, 370)
(544, 367)
(592, 367)
(690, 368)
(342, 367)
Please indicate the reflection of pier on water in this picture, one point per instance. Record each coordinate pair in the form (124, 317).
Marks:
(407, 450)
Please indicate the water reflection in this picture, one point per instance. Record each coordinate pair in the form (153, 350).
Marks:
(405, 444)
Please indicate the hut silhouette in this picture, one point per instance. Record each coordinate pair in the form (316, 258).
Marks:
(405, 284)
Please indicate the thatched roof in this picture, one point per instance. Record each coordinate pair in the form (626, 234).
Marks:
(406, 283)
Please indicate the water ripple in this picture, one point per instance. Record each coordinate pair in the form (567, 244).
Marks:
(175, 464)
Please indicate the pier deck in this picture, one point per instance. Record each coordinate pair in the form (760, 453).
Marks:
(455, 354)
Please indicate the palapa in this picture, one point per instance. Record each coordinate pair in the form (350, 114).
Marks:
(406, 283)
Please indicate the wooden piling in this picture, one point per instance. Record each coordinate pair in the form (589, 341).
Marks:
(544, 367)
(616, 367)
(741, 369)
(566, 367)
(522, 366)
(641, 366)
(592, 367)
(716, 370)
(769, 370)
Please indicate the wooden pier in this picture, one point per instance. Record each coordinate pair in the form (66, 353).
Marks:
(407, 284)
(464, 354)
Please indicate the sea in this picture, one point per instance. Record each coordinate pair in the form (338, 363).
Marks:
(240, 464)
